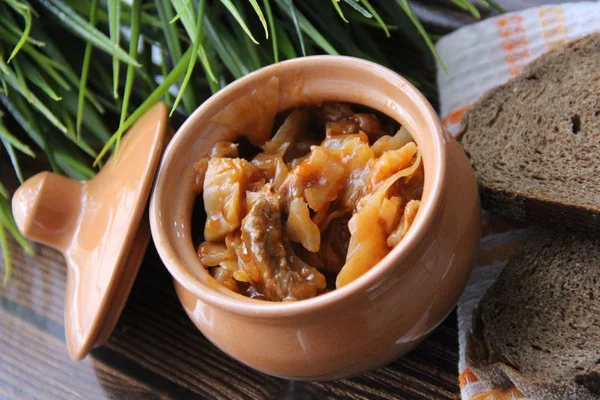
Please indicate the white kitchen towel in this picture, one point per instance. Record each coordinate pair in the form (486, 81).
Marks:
(479, 57)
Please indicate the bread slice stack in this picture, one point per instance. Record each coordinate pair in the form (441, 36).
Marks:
(534, 144)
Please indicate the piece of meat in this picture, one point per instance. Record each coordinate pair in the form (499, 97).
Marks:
(343, 127)
(335, 111)
(369, 124)
(341, 120)
(268, 258)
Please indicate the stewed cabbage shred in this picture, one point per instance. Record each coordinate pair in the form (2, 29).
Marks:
(302, 209)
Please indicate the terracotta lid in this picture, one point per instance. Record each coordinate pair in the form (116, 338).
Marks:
(100, 226)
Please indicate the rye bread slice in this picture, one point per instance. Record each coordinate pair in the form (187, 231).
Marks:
(538, 326)
(535, 142)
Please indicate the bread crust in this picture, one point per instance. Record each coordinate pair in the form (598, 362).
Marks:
(522, 205)
(487, 354)
(503, 376)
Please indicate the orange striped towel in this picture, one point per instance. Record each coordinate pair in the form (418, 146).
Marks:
(479, 57)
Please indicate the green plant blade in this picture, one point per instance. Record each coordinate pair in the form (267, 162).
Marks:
(308, 28)
(7, 220)
(133, 45)
(85, 67)
(13, 82)
(327, 23)
(189, 23)
(25, 11)
(355, 4)
(165, 13)
(221, 41)
(169, 80)
(168, 99)
(25, 120)
(5, 255)
(377, 22)
(20, 111)
(219, 68)
(245, 49)
(177, 17)
(82, 8)
(12, 28)
(194, 57)
(74, 168)
(468, 6)
(5, 135)
(93, 126)
(285, 45)
(114, 26)
(80, 27)
(13, 158)
(271, 21)
(47, 64)
(74, 78)
(236, 14)
(336, 5)
(415, 21)
(47, 68)
(4, 86)
(34, 76)
(21, 79)
(261, 16)
(288, 7)
(3, 191)
(494, 5)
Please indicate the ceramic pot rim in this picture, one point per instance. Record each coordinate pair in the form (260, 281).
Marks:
(264, 309)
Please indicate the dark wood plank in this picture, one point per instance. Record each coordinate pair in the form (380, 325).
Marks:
(156, 352)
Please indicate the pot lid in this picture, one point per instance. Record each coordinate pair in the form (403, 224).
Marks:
(101, 228)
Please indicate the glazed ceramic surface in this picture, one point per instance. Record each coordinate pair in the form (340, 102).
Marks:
(385, 312)
(101, 228)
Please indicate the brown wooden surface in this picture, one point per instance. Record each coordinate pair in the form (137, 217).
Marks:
(156, 352)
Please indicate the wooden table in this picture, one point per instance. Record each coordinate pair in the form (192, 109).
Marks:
(156, 352)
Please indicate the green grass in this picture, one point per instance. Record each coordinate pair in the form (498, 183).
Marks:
(76, 74)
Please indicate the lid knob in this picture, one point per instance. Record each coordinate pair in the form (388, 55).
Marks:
(46, 208)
